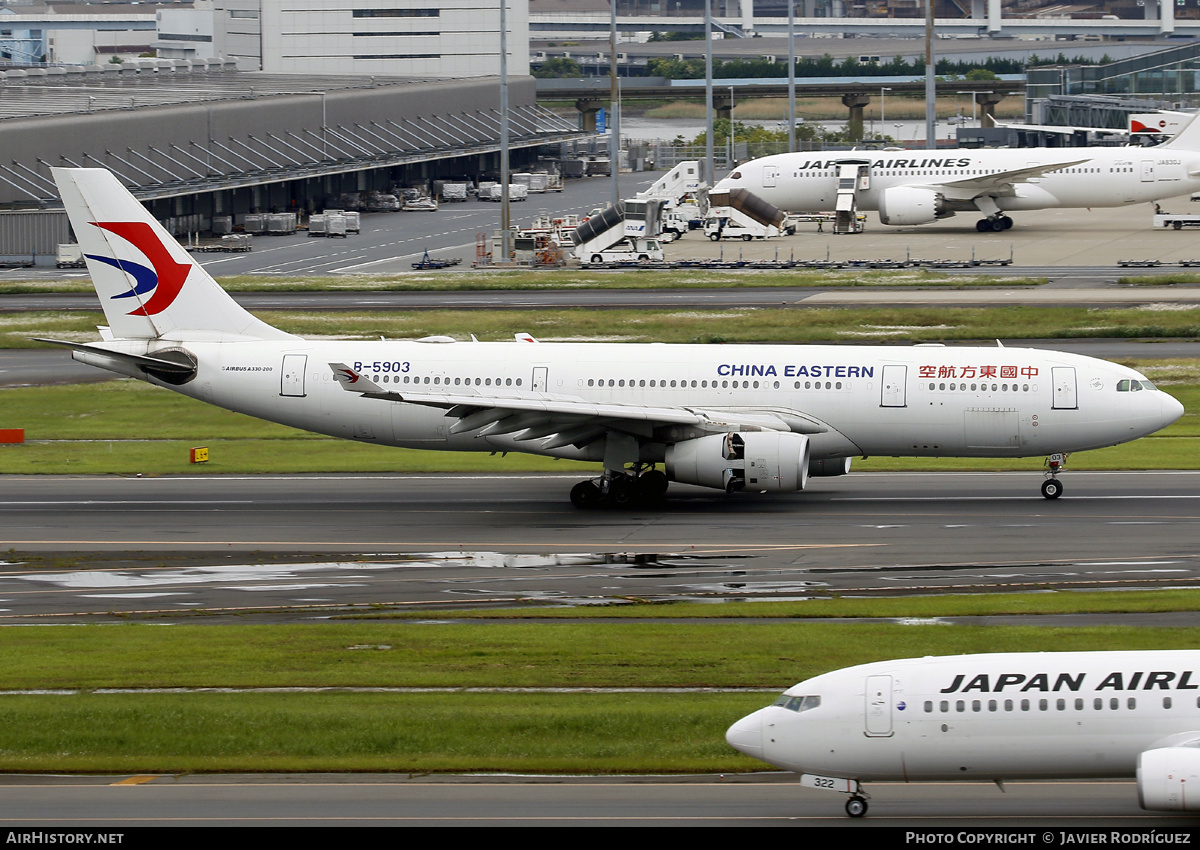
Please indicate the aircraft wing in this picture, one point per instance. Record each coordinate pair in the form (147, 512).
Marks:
(1000, 182)
(564, 420)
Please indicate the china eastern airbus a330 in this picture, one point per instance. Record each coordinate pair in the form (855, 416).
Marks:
(759, 418)
(991, 717)
(918, 187)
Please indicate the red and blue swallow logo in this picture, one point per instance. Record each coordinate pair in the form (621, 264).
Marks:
(164, 277)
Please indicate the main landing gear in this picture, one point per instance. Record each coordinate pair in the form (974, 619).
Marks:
(1052, 488)
(993, 224)
(641, 485)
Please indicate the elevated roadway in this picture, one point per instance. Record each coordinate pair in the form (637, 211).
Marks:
(564, 24)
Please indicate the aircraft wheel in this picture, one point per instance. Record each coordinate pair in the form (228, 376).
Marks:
(856, 807)
(983, 225)
(1008, 222)
(1052, 488)
(585, 495)
(653, 485)
(996, 225)
(621, 491)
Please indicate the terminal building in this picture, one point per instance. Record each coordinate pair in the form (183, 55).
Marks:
(264, 105)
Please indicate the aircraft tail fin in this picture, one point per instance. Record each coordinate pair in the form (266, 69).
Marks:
(149, 286)
(1188, 137)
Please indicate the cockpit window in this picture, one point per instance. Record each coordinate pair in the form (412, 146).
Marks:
(804, 703)
(737, 175)
(1130, 385)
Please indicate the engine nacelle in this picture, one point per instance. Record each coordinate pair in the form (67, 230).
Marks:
(910, 205)
(772, 461)
(1165, 776)
(828, 466)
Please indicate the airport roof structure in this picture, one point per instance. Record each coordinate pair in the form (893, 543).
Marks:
(171, 128)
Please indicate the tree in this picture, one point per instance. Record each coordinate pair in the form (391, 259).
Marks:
(558, 66)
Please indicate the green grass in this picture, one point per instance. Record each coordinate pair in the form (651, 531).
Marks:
(457, 731)
(449, 281)
(839, 608)
(411, 733)
(734, 325)
(747, 325)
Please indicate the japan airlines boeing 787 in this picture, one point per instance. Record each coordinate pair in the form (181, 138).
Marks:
(735, 417)
(918, 187)
(1036, 715)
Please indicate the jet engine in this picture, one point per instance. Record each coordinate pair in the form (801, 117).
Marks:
(828, 466)
(1164, 775)
(774, 461)
(910, 205)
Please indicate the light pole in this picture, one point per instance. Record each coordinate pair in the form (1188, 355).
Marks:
(731, 147)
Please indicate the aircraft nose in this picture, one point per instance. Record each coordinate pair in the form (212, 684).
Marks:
(746, 735)
(1172, 409)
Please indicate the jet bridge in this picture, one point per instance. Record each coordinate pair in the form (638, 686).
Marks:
(853, 177)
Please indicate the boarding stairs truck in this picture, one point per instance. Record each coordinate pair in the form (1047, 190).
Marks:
(853, 176)
(621, 233)
(740, 214)
(685, 198)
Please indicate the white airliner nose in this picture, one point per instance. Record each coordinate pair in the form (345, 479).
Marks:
(746, 735)
(1172, 409)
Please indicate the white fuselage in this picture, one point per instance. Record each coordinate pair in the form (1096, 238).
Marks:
(1110, 177)
(989, 717)
(851, 400)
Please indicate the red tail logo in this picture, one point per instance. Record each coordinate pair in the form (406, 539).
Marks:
(165, 278)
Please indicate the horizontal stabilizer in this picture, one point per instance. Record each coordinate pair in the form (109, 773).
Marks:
(174, 367)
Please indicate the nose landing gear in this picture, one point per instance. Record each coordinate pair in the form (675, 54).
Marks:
(856, 806)
(1052, 488)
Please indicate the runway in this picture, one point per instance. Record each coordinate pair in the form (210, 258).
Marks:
(294, 548)
(713, 801)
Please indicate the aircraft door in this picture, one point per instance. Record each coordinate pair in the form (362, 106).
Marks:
(1147, 171)
(292, 375)
(1065, 395)
(770, 176)
(895, 378)
(539, 378)
(878, 706)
